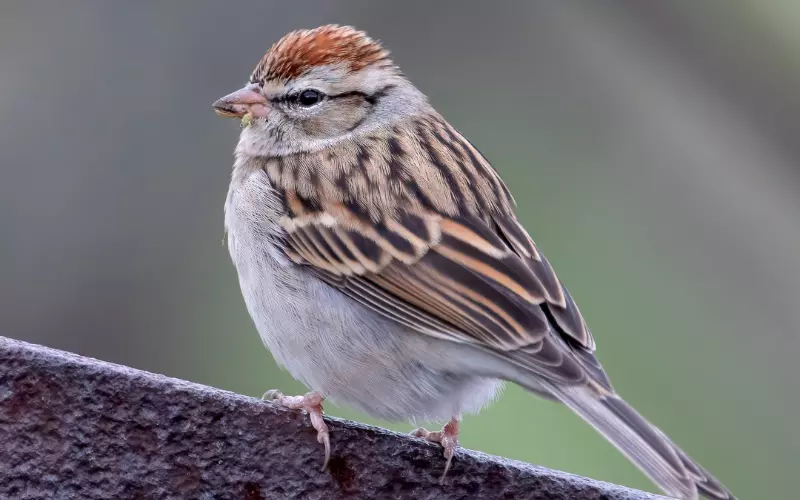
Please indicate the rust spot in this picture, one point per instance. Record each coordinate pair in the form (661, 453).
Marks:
(344, 476)
(185, 479)
(252, 491)
(30, 394)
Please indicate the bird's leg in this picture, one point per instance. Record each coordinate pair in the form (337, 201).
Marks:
(312, 403)
(447, 437)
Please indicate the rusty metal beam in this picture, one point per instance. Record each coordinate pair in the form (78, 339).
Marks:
(77, 428)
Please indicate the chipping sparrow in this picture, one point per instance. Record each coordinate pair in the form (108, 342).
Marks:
(381, 260)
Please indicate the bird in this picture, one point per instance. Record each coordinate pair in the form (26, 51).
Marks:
(381, 259)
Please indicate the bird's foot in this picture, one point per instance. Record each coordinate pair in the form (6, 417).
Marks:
(447, 437)
(312, 403)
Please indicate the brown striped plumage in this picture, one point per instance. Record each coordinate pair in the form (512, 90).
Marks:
(372, 199)
(416, 213)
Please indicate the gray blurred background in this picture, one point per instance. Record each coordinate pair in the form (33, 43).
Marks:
(652, 147)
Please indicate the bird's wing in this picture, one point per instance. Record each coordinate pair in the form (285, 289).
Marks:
(462, 269)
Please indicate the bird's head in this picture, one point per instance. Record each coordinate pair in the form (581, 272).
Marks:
(314, 88)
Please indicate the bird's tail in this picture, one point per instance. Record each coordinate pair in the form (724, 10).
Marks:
(643, 443)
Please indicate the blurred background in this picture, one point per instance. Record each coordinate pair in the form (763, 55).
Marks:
(652, 148)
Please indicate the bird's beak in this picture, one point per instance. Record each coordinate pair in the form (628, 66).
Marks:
(246, 100)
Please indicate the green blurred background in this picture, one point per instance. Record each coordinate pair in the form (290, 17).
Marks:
(652, 148)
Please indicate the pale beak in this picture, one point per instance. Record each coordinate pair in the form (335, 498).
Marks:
(246, 100)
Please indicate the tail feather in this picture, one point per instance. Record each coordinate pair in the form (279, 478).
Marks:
(707, 485)
(642, 443)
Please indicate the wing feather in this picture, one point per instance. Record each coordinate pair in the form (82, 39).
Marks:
(455, 265)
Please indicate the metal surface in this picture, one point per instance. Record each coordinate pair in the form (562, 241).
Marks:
(77, 428)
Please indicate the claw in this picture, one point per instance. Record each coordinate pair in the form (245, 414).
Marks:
(311, 403)
(447, 437)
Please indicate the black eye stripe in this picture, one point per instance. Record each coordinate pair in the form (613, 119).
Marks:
(372, 99)
(352, 93)
(302, 98)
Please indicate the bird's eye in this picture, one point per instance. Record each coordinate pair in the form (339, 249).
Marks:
(309, 97)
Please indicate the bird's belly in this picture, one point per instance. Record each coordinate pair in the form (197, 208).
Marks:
(356, 357)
